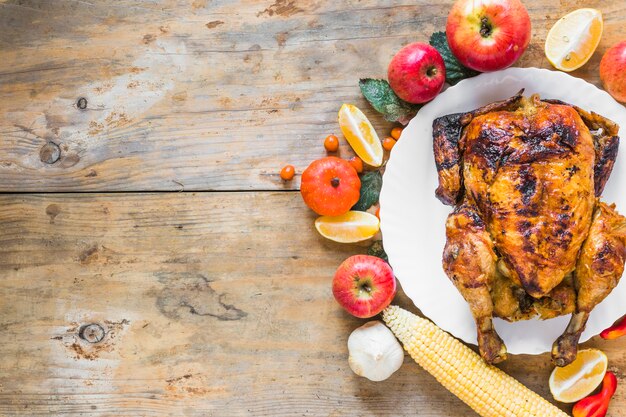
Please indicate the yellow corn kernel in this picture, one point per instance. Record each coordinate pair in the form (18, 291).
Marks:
(485, 388)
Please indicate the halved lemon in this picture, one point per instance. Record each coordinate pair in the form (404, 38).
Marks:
(573, 39)
(361, 135)
(353, 226)
(578, 379)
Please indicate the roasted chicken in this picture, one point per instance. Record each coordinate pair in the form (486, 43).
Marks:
(528, 235)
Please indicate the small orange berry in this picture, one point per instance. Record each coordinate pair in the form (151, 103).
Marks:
(287, 172)
(331, 143)
(357, 163)
(388, 143)
(396, 132)
(378, 212)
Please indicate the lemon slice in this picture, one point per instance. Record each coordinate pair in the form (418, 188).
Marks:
(353, 226)
(360, 135)
(578, 379)
(573, 39)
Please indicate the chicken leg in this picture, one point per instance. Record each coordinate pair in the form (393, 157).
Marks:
(470, 261)
(598, 270)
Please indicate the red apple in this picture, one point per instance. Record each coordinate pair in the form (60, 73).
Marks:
(613, 71)
(417, 73)
(364, 285)
(488, 35)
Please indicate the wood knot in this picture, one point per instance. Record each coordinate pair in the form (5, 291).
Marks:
(53, 210)
(81, 103)
(50, 153)
(92, 333)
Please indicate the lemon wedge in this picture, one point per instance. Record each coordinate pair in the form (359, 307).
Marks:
(574, 38)
(578, 379)
(361, 135)
(353, 226)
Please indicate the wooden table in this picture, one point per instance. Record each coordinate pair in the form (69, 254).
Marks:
(140, 144)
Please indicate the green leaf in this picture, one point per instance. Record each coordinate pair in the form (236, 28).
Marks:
(385, 101)
(455, 72)
(376, 249)
(371, 182)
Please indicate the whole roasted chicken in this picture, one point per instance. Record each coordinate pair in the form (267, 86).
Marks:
(529, 235)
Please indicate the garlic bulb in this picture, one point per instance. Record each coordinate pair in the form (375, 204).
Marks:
(374, 351)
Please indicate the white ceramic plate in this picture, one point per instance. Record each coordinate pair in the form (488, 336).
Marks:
(412, 219)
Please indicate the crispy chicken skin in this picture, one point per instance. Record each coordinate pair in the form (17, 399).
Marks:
(528, 236)
(598, 270)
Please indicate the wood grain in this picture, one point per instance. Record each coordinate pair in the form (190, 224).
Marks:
(203, 95)
(213, 304)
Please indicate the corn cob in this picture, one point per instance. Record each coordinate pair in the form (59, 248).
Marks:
(485, 388)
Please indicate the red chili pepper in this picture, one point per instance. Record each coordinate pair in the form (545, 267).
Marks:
(597, 405)
(615, 331)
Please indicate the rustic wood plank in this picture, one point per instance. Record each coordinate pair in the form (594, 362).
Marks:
(214, 304)
(202, 95)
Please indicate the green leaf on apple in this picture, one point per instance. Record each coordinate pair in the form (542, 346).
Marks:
(385, 101)
(376, 249)
(455, 72)
(371, 183)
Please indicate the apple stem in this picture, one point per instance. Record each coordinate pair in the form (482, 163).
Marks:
(335, 182)
(485, 27)
(431, 71)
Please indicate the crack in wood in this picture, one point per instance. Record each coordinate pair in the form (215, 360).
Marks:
(193, 294)
(237, 313)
